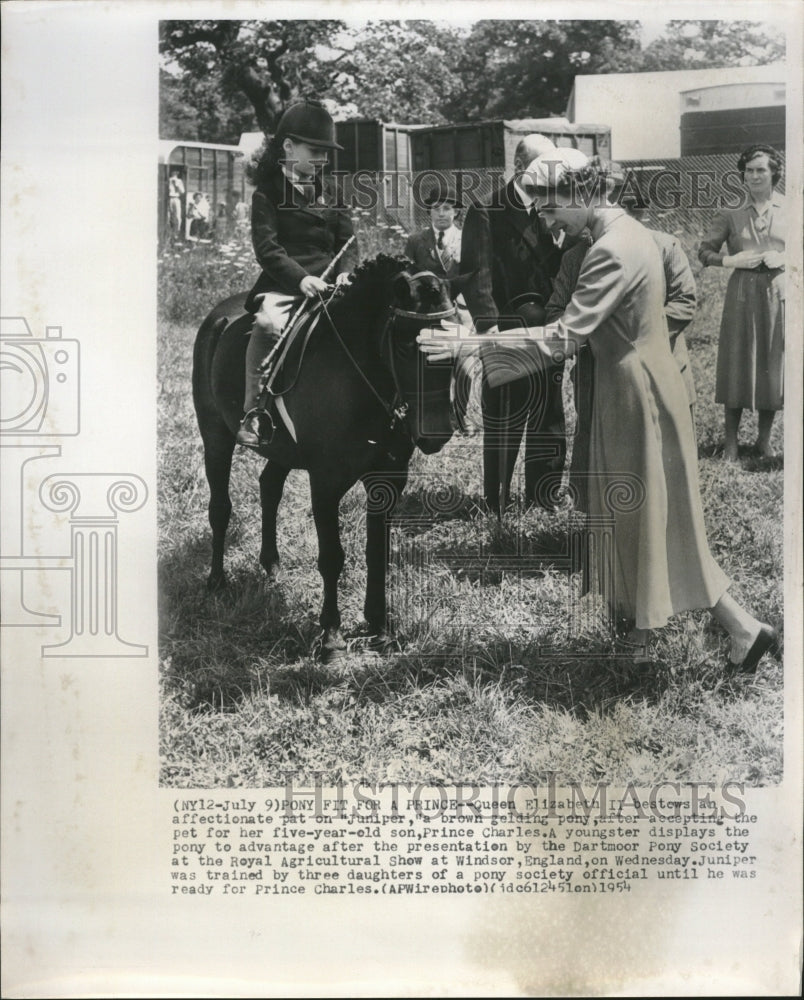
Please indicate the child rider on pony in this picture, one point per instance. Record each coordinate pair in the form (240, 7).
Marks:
(297, 229)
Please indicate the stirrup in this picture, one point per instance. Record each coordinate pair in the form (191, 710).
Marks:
(250, 434)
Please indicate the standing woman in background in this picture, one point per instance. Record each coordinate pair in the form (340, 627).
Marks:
(750, 359)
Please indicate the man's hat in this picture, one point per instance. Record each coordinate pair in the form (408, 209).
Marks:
(441, 192)
(310, 122)
(529, 307)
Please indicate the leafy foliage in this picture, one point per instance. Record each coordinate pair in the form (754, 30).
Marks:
(404, 71)
(526, 68)
(266, 63)
(703, 44)
(221, 78)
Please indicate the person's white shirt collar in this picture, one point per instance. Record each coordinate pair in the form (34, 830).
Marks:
(528, 200)
(449, 233)
(294, 178)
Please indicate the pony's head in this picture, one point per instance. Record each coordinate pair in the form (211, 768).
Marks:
(389, 302)
(421, 299)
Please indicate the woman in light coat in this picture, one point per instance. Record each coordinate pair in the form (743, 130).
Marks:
(643, 465)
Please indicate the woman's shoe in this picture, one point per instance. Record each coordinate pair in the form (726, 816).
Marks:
(767, 641)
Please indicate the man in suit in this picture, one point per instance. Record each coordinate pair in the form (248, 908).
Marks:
(507, 252)
(438, 247)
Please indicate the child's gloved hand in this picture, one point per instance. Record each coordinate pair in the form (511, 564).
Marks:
(310, 286)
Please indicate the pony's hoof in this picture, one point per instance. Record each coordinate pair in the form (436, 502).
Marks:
(216, 582)
(381, 641)
(271, 567)
(333, 646)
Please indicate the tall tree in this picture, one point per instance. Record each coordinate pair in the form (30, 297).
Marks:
(403, 71)
(195, 107)
(271, 63)
(221, 78)
(526, 68)
(687, 44)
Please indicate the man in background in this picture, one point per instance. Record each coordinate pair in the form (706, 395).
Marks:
(508, 261)
(438, 247)
(175, 199)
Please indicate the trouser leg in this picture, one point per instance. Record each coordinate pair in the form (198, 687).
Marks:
(545, 440)
(502, 434)
(269, 321)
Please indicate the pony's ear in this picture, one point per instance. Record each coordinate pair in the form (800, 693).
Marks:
(403, 292)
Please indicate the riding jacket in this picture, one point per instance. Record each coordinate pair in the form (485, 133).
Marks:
(293, 238)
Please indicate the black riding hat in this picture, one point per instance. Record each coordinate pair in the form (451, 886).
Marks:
(310, 122)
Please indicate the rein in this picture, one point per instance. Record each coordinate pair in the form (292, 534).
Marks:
(397, 410)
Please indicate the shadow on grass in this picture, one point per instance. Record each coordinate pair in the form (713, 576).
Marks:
(246, 642)
(216, 645)
(420, 508)
(748, 458)
(525, 547)
(578, 677)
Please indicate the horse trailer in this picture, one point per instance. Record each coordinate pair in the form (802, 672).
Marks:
(729, 117)
(387, 146)
(214, 171)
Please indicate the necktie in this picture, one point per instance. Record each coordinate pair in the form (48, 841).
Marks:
(443, 251)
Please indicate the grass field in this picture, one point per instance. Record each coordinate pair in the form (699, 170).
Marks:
(487, 684)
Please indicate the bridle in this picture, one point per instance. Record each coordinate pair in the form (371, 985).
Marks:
(397, 409)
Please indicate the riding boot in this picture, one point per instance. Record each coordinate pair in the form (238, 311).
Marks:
(259, 347)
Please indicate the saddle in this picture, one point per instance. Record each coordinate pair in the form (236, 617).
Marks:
(278, 377)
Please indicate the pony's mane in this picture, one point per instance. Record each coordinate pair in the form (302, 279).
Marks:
(368, 279)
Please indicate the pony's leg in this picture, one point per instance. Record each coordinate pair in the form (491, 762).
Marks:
(383, 490)
(326, 500)
(272, 482)
(218, 450)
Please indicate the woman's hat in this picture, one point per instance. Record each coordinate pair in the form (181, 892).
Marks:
(548, 170)
(310, 122)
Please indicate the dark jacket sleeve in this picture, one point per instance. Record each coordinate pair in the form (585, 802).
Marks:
(565, 282)
(710, 253)
(679, 307)
(410, 248)
(475, 280)
(282, 271)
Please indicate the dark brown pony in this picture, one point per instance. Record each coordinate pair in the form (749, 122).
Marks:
(362, 398)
